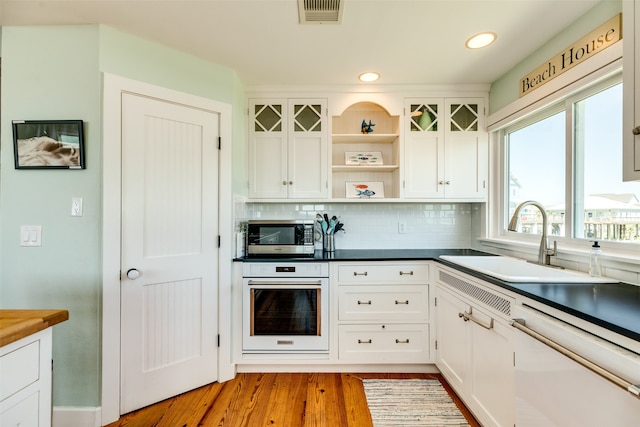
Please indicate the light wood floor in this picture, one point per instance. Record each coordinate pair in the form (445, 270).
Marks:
(272, 399)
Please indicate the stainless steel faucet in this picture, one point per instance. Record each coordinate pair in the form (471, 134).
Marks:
(545, 253)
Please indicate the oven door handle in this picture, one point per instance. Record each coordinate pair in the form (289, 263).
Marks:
(283, 283)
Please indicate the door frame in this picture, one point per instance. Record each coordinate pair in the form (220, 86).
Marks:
(113, 87)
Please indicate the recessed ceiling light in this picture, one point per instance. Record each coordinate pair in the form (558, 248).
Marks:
(368, 77)
(480, 40)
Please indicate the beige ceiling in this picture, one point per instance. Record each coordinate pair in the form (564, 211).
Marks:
(407, 41)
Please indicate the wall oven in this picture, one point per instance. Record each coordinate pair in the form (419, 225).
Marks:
(285, 307)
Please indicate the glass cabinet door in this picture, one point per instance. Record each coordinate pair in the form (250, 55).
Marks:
(424, 118)
(463, 118)
(267, 118)
(307, 118)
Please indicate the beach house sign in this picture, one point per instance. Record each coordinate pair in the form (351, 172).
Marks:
(594, 42)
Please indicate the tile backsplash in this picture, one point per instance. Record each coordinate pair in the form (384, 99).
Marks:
(381, 225)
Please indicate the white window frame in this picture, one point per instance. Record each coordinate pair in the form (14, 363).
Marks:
(496, 237)
(570, 179)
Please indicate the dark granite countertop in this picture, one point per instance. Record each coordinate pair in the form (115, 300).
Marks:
(369, 255)
(613, 306)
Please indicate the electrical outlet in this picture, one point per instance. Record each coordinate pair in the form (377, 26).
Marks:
(402, 227)
(76, 206)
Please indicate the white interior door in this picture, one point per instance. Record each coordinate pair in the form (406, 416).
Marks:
(170, 239)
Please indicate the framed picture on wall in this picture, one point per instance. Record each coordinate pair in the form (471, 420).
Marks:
(48, 144)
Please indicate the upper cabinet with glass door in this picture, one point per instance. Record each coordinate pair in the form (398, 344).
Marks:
(288, 149)
(446, 149)
(424, 148)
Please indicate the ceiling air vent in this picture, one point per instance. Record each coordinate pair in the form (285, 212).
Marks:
(320, 11)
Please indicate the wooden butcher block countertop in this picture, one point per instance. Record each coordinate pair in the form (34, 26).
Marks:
(17, 324)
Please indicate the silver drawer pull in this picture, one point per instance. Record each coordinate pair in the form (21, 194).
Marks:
(410, 273)
(364, 302)
(355, 273)
(402, 341)
(365, 341)
(402, 302)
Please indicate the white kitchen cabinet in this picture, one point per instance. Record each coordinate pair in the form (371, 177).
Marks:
(446, 149)
(25, 388)
(383, 142)
(475, 346)
(383, 312)
(288, 149)
(631, 95)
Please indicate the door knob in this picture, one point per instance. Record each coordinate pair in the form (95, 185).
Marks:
(636, 130)
(133, 274)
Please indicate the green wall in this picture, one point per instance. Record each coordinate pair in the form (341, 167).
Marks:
(54, 72)
(505, 90)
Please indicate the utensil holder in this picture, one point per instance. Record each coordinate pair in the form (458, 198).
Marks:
(328, 243)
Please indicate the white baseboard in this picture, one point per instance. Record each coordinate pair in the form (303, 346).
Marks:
(76, 416)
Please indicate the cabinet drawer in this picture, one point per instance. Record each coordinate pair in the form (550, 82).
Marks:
(19, 368)
(24, 413)
(397, 343)
(396, 302)
(384, 274)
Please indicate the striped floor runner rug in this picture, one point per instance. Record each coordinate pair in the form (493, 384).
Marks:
(411, 402)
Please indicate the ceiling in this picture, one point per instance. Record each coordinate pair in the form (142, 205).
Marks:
(406, 41)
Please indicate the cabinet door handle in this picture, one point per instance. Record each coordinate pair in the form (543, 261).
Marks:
(402, 341)
(469, 316)
(365, 341)
(284, 182)
(290, 182)
(410, 273)
(402, 302)
(355, 273)
(636, 130)
(364, 302)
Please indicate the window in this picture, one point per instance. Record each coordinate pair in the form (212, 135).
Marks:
(536, 171)
(585, 197)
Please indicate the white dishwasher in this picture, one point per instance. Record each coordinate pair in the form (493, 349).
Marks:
(554, 390)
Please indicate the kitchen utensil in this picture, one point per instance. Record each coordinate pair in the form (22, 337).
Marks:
(332, 225)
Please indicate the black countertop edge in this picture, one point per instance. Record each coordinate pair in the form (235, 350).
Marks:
(540, 292)
(568, 298)
(368, 255)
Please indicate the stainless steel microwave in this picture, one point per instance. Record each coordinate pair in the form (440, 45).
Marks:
(278, 237)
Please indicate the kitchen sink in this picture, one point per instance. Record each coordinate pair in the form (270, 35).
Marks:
(517, 270)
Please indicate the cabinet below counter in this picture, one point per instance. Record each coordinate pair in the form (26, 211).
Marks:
(25, 365)
(615, 307)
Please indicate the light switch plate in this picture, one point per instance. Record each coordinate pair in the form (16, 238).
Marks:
(30, 235)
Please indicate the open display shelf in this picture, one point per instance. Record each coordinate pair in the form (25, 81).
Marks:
(347, 137)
